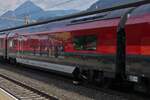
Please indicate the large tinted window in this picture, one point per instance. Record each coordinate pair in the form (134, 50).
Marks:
(145, 9)
(85, 42)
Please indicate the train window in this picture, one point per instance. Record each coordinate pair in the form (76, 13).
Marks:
(85, 42)
(145, 9)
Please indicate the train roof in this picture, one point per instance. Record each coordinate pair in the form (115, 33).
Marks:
(141, 10)
(106, 19)
(86, 22)
(136, 3)
(102, 16)
(77, 27)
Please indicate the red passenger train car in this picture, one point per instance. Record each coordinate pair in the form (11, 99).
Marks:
(88, 43)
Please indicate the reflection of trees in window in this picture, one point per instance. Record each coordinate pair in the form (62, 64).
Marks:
(85, 42)
(56, 46)
(44, 44)
(34, 44)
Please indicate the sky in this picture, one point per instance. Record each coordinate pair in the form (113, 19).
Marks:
(6, 5)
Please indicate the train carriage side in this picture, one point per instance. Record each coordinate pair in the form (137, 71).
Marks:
(93, 45)
(86, 47)
(138, 43)
(89, 45)
(40, 50)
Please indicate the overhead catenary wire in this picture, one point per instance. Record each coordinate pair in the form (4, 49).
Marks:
(80, 14)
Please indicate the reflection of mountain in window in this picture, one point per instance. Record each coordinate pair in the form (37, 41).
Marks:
(85, 42)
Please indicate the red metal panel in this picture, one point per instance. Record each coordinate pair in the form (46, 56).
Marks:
(145, 42)
(107, 41)
(138, 37)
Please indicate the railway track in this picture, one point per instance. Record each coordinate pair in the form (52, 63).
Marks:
(95, 92)
(22, 91)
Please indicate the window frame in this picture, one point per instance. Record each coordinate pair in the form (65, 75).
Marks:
(85, 37)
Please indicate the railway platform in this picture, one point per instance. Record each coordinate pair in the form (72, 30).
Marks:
(4, 95)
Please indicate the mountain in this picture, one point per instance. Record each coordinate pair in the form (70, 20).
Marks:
(27, 8)
(8, 14)
(34, 12)
(101, 4)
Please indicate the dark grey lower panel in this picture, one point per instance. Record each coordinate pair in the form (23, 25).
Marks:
(49, 66)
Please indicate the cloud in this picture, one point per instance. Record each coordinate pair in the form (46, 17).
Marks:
(6, 5)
